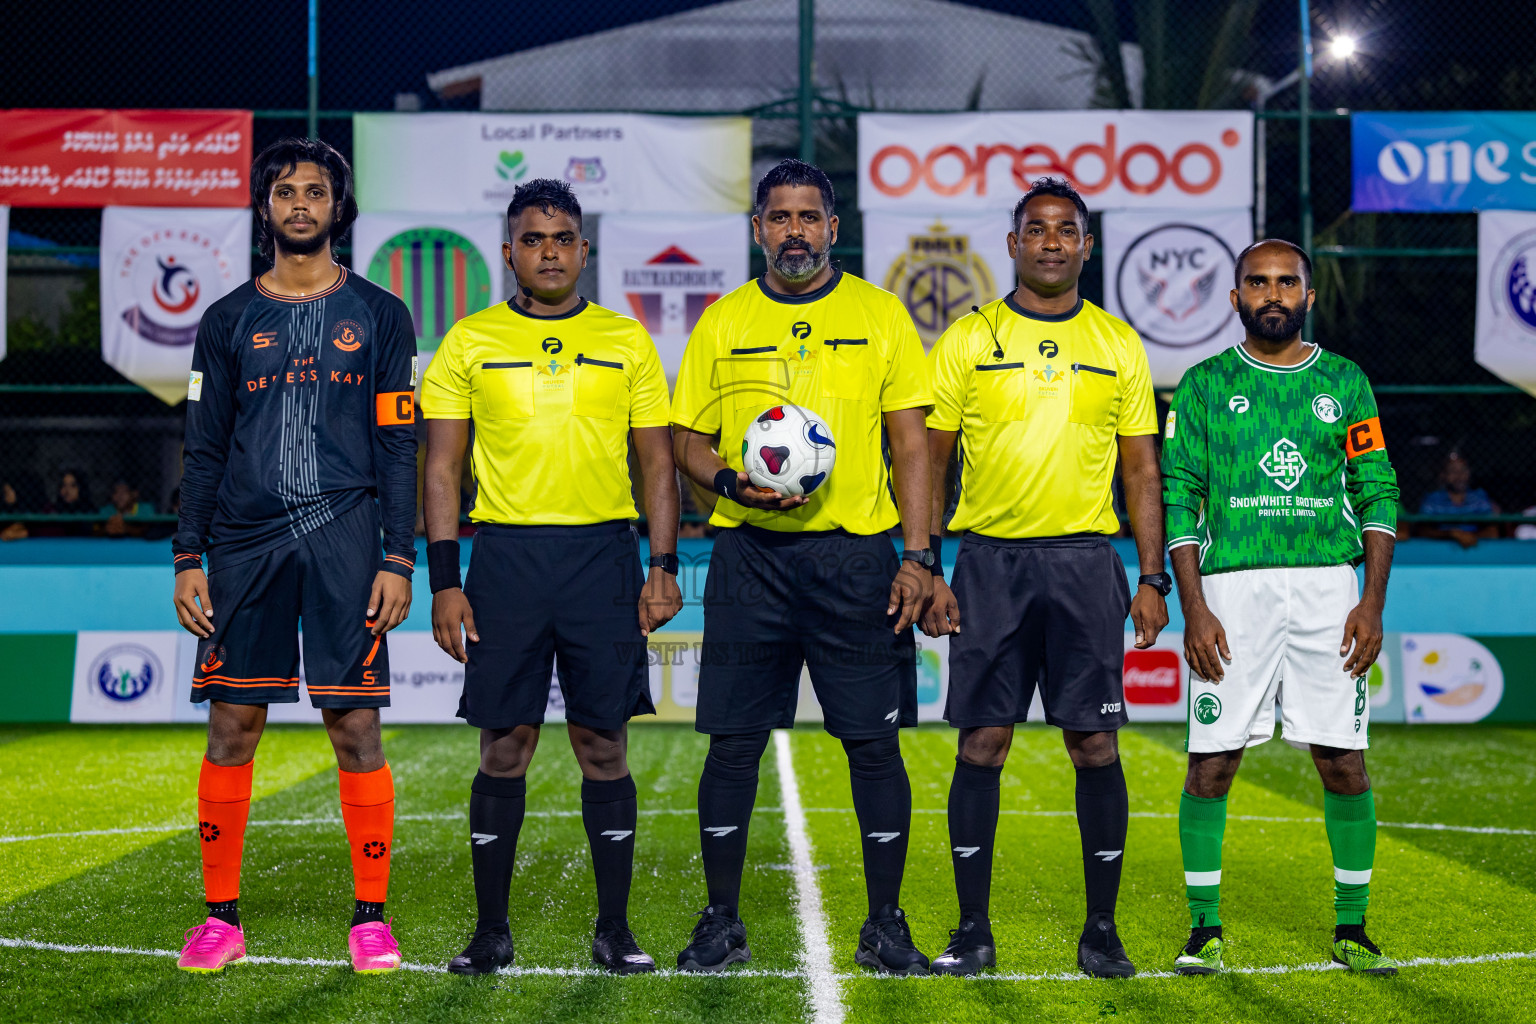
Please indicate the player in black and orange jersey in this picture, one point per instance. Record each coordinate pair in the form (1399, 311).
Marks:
(299, 447)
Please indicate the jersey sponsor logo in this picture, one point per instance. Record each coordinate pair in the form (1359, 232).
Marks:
(1327, 408)
(1284, 464)
(1238, 403)
(395, 408)
(195, 386)
(1168, 284)
(1152, 677)
(1363, 437)
(801, 329)
(552, 346)
(440, 275)
(1048, 348)
(1172, 425)
(415, 368)
(1111, 709)
(126, 672)
(1048, 375)
(938, 279)
(672, 289)
(1207, 708)
(349, 335)
(263, 339)
(213, 659)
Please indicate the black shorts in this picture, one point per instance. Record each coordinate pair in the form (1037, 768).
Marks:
(1047, 610)
(774, 602)
(547, 596)
(323, 578)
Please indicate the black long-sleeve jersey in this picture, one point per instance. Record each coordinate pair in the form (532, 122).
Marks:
(298, 410)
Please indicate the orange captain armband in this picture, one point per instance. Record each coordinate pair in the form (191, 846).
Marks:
(396, 408)
(1363, 437)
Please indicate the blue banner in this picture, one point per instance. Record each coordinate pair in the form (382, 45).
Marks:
(1444, 162)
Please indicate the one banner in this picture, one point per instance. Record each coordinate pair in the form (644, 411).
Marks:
(1506, 296)
(160, 270)
(1444, 161)
(1168, 274)
(444, 268)
(939, 266)
(665, 271)
(1116, 158)
(5, 235)
(125, 157)
(617, 163)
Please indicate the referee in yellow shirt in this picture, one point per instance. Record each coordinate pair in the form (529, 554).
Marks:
(797, 580)
(555, 388)
(1043, 391)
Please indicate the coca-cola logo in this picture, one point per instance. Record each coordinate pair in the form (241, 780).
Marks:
(1152, 677)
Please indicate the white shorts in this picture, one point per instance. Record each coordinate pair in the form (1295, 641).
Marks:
(1283, 627)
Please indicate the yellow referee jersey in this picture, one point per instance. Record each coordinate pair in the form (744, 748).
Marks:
(847, 351)
(552, 400)
(1038, 405)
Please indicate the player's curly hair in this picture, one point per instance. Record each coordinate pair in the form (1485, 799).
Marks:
(1306, 261)
(794, 173)
(548, 194)
(281, 159)
(1061, 188)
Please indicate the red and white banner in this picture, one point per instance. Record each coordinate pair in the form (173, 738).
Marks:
(665, 271)
(125, 157)
(5, 235)
(160, 270)
(1118, 159)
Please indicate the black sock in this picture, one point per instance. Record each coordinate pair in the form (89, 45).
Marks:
(1103, 813)
(495, 817)
(882, 799)
(363, 912)
(973, 797)
(225, 912)
(609, 810)
(727, 791)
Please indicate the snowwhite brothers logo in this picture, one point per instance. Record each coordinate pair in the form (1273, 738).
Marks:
(1284, 464)
(126, 672)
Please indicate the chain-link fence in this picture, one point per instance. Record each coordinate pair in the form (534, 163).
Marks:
(1395, 291)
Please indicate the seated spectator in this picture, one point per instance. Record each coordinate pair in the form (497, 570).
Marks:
(19, 495)
(1457, 496)
(71, 497)
(123, 505)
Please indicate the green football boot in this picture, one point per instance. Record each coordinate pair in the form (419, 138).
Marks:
(1352, 949)
(1201, 954)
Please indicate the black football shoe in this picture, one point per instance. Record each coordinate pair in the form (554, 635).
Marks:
(971, 947)
(486, 953)
(614, 949)
(1100, 952)
(885, 943)
(719, 940)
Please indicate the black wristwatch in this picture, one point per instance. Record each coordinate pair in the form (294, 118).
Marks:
(923, 557)
(666, 563)
(1158, 581)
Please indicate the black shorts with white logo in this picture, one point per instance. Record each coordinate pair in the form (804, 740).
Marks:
(775, 602)
(323, 579)
(555, 597)
(1046, 611)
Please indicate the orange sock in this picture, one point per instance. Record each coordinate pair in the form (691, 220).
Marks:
(368, 808)
(223, 804)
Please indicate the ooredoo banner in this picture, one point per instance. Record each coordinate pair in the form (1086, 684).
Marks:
(160, 270)
(1506, 296)
(938, 266)
(1118, 159)
(665, 271)
(1169, 275)
(444, 268)
(617, 163)
(125, 157)
(1434, 162)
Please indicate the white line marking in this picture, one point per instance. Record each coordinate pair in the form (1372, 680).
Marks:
(816, 952)
(741, 972)
(1427, 825)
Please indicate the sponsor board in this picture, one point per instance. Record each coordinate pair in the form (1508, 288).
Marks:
(1506, 296)
(5, 234)
(1155, 678)
(1467, 160)
(939, 267)
(1448, 678)
(443, 268)
(125, 676)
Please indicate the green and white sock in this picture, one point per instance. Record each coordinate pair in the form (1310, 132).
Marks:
(1202, 822)
(1351, 825)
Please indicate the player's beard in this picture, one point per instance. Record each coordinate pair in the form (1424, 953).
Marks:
(301, 246)
(1268, 329)
(798, 260)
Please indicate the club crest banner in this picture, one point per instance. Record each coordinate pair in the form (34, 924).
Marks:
(442, 268)
(665, 271)
(1169, 274)
(1506, 296)
(939, 266)
(160, 270)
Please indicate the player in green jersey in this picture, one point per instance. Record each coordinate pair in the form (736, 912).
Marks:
(1277, 484)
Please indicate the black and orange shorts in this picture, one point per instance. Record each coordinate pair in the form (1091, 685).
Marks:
(323, 579)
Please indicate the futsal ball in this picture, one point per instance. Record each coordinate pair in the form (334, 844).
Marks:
(788, 449)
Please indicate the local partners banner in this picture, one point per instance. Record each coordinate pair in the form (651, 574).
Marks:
(160, 270)
(1168, 273)
(1506, 296)
(939, 266)
(617, 163)
(443, 267)
(665, 271)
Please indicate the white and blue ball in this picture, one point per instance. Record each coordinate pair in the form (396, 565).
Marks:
(788, 449)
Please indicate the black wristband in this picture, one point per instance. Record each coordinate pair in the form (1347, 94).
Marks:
(443, 565)
(936, 545)
(726, 482)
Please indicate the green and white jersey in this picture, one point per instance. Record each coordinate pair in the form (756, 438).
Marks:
(1269, 466)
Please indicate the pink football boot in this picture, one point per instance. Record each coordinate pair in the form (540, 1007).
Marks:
(374, 950)
(210, 946)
